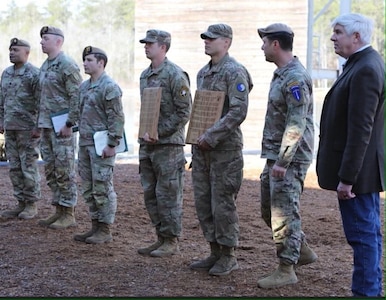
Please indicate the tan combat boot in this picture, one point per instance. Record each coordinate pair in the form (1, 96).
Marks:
(207, 263)
(53, 218)
(66, 219)
(101, 235)
(13, 213)
(152, 247)
(307, 255)
(30, 211)
(83, 236)
(226, 264)
(168, 248)
(283, 275)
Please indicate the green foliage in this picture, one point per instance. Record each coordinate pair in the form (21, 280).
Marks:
(58, 13)
(324, 56)
(109, 24)
(374, 9)
(101, 23)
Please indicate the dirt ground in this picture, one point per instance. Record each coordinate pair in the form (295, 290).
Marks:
(41, 262)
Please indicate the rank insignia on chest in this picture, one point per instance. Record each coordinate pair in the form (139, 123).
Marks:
(295, 90)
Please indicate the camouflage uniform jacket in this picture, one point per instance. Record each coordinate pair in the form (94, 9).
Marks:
(100, 109)
(59, 89)
(18, 97)
(288, 134)
(234, 79)
(176, 101)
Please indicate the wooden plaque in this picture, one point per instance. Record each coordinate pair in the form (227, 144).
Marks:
(149, 113)
(206, 110)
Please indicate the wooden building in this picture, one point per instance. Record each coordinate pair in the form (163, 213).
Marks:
(186, 20)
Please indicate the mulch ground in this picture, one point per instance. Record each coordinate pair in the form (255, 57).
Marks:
(41, 262)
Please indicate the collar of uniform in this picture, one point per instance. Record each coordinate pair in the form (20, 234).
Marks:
(159, 69)
(280, 71)
(217, 67)
(12, 71)
(52, 62)
(97, 82)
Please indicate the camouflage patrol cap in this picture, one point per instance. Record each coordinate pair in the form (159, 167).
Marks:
(157, 36)
(93, 50)
(19, 42)
(51, 30)
(217, 30)
(275, 28)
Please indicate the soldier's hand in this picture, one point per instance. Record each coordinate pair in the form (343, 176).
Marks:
(108, 151)
(65, 131)
(146, 137)
(202, 144)
(35, 133)
(278, 172)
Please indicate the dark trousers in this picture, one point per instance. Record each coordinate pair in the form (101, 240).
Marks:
(362, 227)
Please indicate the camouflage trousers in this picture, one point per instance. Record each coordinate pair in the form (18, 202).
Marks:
(58, 154)
(97, 184)
(280, 208)
(162, 170)
(217, 177)
(23, 152)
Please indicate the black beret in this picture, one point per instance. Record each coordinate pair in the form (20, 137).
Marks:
(51, 30)
(18, 42)
(93, 50)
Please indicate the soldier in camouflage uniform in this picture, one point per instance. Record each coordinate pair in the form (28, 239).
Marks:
(217, 161)
(288, 140)
(100, 109)
(18, 118)
(162, 161)
(59, 91)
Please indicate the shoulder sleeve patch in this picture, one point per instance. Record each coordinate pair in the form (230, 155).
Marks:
(113, 92)
(295, 90)
(184, 91)
(241, 87)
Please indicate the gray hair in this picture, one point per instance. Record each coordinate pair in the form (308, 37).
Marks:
(356, 23)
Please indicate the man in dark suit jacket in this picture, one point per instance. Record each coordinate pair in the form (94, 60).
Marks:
(350, 157)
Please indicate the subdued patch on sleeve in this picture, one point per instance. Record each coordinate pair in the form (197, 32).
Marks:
(112, 93)
(184, 91)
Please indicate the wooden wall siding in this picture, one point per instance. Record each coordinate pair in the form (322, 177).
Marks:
(186, 20)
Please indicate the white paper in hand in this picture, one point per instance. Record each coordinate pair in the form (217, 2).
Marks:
(101, 139)
(59, 120)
